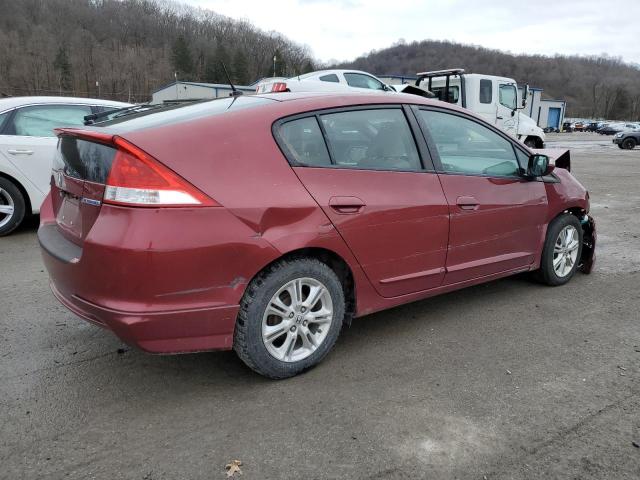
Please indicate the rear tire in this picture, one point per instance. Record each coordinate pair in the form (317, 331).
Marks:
(12, 207)
(290, 317)
(560, 254)
(530, 142)
(629, 143)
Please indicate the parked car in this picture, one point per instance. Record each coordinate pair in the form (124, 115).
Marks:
(336, 81)
(592, 127)
(579, 126)
(27, 146)
(611, 128)
(627, 140)
(179, 235)
(567, 127)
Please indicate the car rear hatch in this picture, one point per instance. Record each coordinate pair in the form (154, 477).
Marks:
(80, 171)
(94, 167)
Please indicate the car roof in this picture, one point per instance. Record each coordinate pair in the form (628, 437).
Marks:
(13, 102)
(335, 70)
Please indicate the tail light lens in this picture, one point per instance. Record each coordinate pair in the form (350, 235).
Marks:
(138, 179)
(278, 87)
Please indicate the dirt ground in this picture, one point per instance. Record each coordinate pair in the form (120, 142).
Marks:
(508, 380)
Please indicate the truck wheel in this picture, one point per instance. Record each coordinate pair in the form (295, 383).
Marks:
(530, 142)
(12, 207)
(562, 250)
(629, 143)
(290, 317)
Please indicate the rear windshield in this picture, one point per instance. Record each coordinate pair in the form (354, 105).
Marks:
(84, 160)
(182, 113)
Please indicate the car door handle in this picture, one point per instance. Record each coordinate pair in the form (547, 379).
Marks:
(20, 152)
(346, 205)
(499, 118)
(467, 203)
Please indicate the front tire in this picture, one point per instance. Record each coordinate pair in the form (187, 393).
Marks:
(531, 142)
(629, 144)
(562, 250)
(290, 317)
(12, 207)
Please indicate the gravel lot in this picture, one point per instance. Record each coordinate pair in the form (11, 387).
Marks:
(505, 380)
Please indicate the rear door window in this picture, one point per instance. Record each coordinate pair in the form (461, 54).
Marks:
(377, 139)
(41, 120)
(304, 143)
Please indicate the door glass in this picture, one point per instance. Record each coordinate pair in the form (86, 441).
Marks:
(371, 139)
(304, 142)
(508, 96)
(359, 80)
(40, 120)
(3, 118)
(467, 147)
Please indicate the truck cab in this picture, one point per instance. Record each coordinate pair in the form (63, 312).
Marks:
(493, 98)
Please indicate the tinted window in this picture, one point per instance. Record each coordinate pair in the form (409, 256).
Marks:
(359, 80)
(508, 96)
(330, 78)
(304, 142)
(486, 91)
(40, 120)
(468, 147)
(371, 139)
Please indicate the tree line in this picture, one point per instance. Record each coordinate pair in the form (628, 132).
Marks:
(125, 49)
(593, 86)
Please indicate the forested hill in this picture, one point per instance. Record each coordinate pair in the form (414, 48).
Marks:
(592, 86)
(130, 47)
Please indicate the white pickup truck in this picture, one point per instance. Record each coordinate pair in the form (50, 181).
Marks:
(493, 98)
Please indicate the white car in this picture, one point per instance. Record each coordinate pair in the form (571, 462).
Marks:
(335, 80)
(28, 145)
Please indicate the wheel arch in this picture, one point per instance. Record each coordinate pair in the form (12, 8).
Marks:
(23, 191)
(336, 263)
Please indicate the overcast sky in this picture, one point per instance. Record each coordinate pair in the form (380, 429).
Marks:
(345, 29)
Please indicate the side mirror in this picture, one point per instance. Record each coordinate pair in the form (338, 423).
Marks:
(539, 166)
(525, 95)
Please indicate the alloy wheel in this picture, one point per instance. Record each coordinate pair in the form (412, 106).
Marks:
(565, 251)
(297, 319)
(7, 207)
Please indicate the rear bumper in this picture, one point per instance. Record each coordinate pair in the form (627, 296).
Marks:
(161, 332)
(165, 281)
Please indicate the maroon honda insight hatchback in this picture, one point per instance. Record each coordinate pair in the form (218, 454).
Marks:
(264, 224)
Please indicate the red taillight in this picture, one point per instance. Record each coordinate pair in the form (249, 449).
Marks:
(278, 87)
(138, 179)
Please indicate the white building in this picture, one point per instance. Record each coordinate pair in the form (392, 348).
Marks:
(546, 113)
(194, 91)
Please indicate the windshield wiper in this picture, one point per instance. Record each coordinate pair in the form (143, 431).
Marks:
(118, 112)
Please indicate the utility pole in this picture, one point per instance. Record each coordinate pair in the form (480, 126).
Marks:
(175, 75)
(98, 87)
(274, 65)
